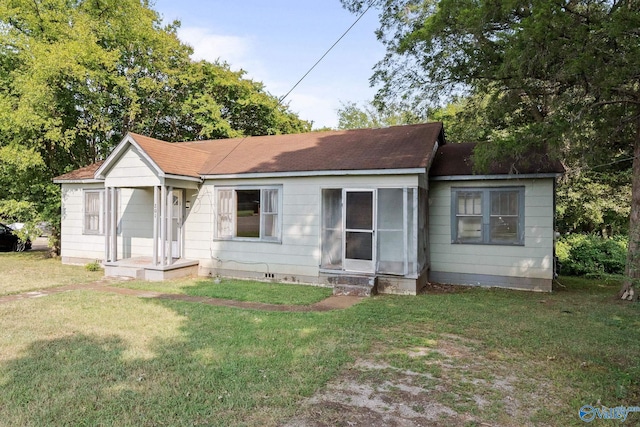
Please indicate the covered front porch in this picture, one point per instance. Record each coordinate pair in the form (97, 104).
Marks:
(147, 226)
(145, 206)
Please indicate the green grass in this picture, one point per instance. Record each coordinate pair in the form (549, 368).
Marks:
(95, 358)
(31, 270)
(239, 290)
(104, 359)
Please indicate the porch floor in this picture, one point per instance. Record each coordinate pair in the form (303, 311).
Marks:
(142, 268)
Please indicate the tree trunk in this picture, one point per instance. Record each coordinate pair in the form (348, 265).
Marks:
(632, 269)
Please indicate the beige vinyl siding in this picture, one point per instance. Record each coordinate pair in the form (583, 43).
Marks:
(534, 260)
(131, 170)
(298, 254)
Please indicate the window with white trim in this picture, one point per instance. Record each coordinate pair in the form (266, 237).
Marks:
(93, 221)
(251, 213)
(488, 215)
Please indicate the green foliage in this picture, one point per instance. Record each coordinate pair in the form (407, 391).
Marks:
(541, 74)
(465, 119)
(372, 115)
(592, 256)
(76, 76)
(93, 266)
(558, 76)
(592, 202)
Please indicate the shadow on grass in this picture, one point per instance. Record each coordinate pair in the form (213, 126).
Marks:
(73, 380)
(227, 367)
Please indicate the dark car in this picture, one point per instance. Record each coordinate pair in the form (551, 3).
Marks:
(9, 241)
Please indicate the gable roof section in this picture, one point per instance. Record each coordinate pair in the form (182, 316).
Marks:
(392, 148)
(397, 147)
(455, 160)
(163, 157)
(172, 159)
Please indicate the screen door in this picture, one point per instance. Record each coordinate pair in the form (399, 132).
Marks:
(359, 235)
(176, 223)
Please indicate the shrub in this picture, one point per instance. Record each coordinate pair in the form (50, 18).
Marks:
(589, 255)
(93, 266)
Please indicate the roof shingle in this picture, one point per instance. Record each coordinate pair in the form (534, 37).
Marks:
(171, 158)
(86, 172)
(396, 147)
(456, 160)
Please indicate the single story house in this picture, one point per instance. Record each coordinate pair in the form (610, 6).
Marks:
(397, 206)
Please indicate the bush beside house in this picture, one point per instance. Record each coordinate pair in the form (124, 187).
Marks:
(591, 255)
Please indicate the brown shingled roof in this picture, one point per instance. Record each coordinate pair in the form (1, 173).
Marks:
(86, 172)
(173, 159)
(396, 147)
(456, 160)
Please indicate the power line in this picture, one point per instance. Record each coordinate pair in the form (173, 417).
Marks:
(327, 52)
(304, 76)
(593, 168)
(612, 163)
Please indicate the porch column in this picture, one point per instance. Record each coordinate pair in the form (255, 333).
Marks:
(106, 228)
(163, 225)
(405, 226)
(110, 225)
(156, 218)
(169, 202)
(113, 234)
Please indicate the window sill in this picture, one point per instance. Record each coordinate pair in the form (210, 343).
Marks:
(246, 239)
(489, 243)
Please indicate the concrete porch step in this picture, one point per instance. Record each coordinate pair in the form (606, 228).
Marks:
(361, 286)
(142, 268)
(124, 271)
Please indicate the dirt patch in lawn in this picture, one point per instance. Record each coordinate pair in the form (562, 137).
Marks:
(451, 383)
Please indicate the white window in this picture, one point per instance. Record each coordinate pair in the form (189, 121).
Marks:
(248, 213)
(469, 216)
(93, 212)
(488, 215)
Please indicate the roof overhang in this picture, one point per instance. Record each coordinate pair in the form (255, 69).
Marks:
(494, 177)
(410, 171)
(181, 177)
(78, 181)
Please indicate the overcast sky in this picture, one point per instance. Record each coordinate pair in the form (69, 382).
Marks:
(277, 41)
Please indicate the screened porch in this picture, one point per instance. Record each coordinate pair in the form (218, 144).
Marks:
(373, 231)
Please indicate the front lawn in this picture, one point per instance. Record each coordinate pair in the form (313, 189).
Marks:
(239, 290)
(31, 270)
(483, 357)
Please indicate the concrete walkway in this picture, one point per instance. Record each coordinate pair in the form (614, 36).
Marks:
(103, 285)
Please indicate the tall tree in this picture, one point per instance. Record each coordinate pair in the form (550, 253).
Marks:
(369, 115)
(75, 76)
(564, 74)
